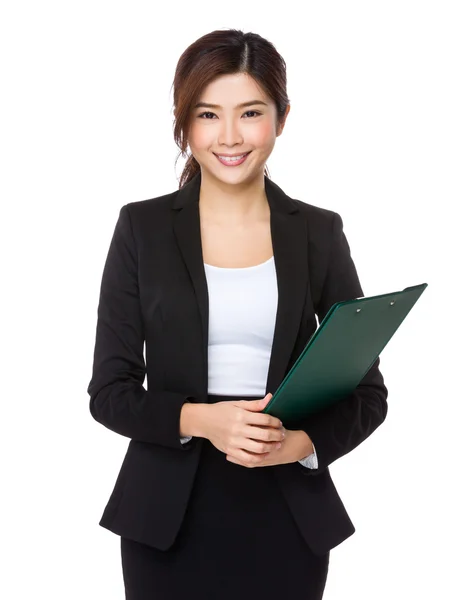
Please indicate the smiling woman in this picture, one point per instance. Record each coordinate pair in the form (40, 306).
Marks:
(216, 499)
(233, 134)
(248, 103)
(230, 122)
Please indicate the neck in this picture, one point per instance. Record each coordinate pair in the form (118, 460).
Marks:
(233, 203)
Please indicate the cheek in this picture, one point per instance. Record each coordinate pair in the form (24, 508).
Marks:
(200, 137)
(263, 135)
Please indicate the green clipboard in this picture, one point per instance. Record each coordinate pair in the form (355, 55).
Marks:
(340, 352)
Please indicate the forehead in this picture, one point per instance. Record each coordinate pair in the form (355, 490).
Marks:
(232, 90)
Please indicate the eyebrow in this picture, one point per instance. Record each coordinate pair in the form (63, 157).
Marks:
(243, 105)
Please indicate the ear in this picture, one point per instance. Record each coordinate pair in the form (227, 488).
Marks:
(281, 125)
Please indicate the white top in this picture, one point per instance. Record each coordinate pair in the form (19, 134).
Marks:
(242, 314)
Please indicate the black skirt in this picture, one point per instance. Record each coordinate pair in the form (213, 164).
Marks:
(238, 540)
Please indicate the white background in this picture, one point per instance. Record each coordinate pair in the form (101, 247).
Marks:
(381, 130)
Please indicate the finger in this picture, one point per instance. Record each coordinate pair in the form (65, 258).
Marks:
(259, 447)
(264, 434)
(246, 459)
(256, 418)
(233, 459)
(255, 460)
(255, 405)
(263, 420)
(236, 461)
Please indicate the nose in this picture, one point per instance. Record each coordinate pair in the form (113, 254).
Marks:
(230, 133)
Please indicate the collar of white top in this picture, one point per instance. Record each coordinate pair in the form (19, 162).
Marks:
(240, 268)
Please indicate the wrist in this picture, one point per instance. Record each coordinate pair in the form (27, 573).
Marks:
(303, 444)
(192, 419)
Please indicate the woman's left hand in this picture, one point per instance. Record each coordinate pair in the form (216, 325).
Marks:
(287, 453)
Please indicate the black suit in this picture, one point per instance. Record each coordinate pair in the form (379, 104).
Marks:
(154, 289)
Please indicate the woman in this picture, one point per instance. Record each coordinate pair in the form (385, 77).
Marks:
(222, 280)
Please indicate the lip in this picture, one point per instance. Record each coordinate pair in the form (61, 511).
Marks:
(235, 163)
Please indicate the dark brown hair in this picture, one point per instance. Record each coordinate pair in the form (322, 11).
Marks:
(223, 52)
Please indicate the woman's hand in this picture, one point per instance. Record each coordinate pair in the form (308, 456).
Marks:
(248, 438)
(239, 430)
(287, 453)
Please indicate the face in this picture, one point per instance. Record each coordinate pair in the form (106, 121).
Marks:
(230, 129)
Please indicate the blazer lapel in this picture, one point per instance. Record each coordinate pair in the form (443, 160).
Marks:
(289, 240)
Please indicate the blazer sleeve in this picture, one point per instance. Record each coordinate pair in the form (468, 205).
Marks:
(118, 399)
(341, 427)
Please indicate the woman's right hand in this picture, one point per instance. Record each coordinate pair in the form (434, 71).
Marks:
(238, 424)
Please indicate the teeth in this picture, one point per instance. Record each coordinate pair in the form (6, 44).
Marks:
(233, 159)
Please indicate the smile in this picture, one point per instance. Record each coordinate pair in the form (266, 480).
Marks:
(232, 161)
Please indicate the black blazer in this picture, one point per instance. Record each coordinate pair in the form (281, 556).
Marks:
(154, 290)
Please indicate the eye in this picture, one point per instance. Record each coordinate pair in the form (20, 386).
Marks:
(246, 113)
(205, 113)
